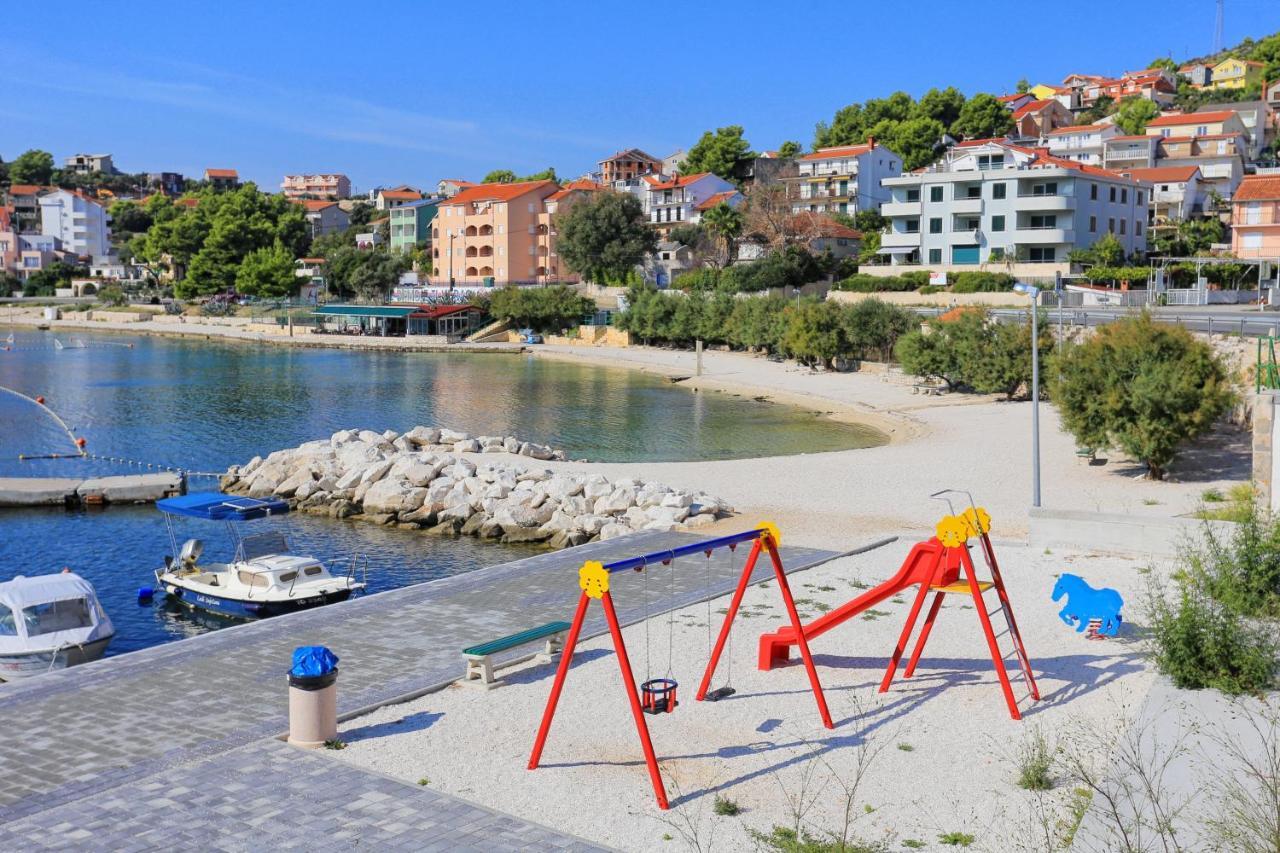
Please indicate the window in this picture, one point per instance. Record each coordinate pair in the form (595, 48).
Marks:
(61, 615)
(1044, 221)
(1251, 241)
(935, 224)
(1140, 198)
(1113, 194)
(974, 191)
(935, 257)
(8, 625)
(971, 223)
(1093, 192)
(312, 571)
(1124, 195)
(1041, 254)
(964, 254)
(935, 193)
(1137, 227)
(913, 194)
(1093, 225)
(1049, 188)
(1202, 130)
(1123, 223)
(911, 226)
(997, 190)
(531, 207)
(990, 161)
(1253, 213)
(997, 223)
(1164, 133)
(1111, 225)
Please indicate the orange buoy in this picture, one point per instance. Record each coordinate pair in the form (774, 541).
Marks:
(40, 400)
(80, 442)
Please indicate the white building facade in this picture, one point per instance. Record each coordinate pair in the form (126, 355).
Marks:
(79, 223)
(843, 180)
(997, 203)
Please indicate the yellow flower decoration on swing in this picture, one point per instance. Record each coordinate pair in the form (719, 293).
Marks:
(952, 531)
(769, 530)
(593, 579)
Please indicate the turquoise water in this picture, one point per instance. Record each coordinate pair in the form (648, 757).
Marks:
(206, 405)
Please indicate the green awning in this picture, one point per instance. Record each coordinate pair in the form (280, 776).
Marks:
(365, 311)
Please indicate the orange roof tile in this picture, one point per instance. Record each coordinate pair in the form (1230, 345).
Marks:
(677, 181)
(222, 173)
(496, 192)
(25, 189)
(580, 185)
(1190, 118)
(1016, 96)
(1258, 188)
(1078, 128)
(1163, 174)
(631, 154)
(825, 226)
(840, 151)
(314, 204)
(405, 195)
(715, 199)
(1033, 107)
(311, 260)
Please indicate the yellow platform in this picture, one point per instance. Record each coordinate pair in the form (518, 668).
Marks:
(962, 587)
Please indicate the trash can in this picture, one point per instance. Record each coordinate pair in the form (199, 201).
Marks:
(51, 313)
(313, 697)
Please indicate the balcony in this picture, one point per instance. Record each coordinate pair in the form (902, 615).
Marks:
(900, 208)
(900, 240)
(1028, 236)
(966, 205)
(1038, 202)
(968, 235)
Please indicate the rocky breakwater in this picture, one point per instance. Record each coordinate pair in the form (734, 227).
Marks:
(440, 481)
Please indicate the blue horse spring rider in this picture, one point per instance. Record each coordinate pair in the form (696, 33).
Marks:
(1085, 604)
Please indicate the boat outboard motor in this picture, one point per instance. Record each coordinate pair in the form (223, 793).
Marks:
(191, 551)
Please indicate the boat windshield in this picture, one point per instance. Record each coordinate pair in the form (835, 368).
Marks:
(64, 615)
(8, 625)
(254, 579)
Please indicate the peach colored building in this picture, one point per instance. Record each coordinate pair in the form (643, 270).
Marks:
(328, 185)
(498, 231)
(628, 165)
(1255, 218)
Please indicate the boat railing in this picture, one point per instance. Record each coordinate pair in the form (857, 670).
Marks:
(362, 562)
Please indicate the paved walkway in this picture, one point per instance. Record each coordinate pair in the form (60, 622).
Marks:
(88, 745)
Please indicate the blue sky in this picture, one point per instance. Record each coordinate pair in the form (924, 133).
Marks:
(410, 92)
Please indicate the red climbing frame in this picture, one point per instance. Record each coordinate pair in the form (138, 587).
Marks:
(593, 578)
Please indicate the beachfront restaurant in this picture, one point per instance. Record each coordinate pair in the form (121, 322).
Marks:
(450, 321)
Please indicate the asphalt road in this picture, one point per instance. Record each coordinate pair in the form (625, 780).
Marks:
(1242, 320)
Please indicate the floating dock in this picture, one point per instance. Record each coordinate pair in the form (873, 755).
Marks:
(79, 491)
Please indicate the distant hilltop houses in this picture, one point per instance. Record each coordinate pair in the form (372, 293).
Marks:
(1130, 156)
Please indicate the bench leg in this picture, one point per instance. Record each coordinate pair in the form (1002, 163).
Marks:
(553, 647)
(480, 674)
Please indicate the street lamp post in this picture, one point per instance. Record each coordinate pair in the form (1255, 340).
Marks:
(1033, 292)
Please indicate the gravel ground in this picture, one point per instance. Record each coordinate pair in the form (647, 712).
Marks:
(939, 751)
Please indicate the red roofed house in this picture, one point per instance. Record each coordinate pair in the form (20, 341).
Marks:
(1214, 141)
(501, 232)
(1175, 191)
(1017, 100)
(843, 179)
(1130, 152)
(628, 165)
(1255, 218)
(1082, 143)
(389, 198)
(24, 199)
(325, 217)
(330, 185)
(222, 179)
(1034, 119)
(449, 187)
(1154, 84)
(671, 201)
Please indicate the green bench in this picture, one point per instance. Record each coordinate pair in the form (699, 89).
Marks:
(480, 657)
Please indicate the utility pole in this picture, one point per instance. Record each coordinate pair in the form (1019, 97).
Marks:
(1032, 292)
(1217, 28)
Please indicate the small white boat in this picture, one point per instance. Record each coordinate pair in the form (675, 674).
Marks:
(262, 579)
(50, 622)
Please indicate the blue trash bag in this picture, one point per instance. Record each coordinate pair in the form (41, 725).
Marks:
(310, 661)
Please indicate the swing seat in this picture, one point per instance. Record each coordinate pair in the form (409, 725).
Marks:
(658, 696)
(720, 693)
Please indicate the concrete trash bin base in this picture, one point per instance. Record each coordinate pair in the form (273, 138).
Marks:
(313, 709)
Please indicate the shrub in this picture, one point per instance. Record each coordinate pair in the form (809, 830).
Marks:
(872, 327)
(704, 278)
(793, 266)
(981, 282)
(1035, 763)
(726, 807)
(1143, 386)
(815, 333)
(1241, 570)
(968, 349)
(540, 308)
(112, 295)
(865, 283)
(1200, 643)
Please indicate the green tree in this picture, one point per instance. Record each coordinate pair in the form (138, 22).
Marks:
(1164, 62)
(725, 224)
(941, 105)
(267, 272)
(928, 356)
(129, 216)
(815, 333)
(872, 327)
(1104, 106)
(717, 152)
(4, 172)
(789, 149)
(869, 220)
(547, 174)
(1107, 251)
(1024, 86)
(897, 107)
(916, 141)
(376, 274)
(1142, 386)
(500, 176)
(32, 167)
(1133, 114)
(983, 117)
(604, 236)
(848, 127)
(542, 309)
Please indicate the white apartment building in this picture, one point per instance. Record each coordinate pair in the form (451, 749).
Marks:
(86, 164)
(1081, 143)
(671, 201)
(992, 202)
(79, 223)
(1176, 191)
(844, 179)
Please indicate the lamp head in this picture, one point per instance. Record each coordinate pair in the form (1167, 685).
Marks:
(1028, 289)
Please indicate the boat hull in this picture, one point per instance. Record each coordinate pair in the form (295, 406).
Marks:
(241, 609)
(27, 664)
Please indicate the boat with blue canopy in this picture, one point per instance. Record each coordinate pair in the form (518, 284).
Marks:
(262, 578)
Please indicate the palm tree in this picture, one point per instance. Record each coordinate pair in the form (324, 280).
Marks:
(725, 224)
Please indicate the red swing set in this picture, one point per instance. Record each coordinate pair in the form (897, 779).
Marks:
(658, 695)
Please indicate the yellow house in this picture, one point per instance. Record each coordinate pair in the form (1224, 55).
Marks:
(1235, 73)
(1042, 91)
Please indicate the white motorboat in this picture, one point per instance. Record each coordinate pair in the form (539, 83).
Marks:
(50, 622)
(262, 579)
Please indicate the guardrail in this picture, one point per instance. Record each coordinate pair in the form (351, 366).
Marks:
(1238, 324)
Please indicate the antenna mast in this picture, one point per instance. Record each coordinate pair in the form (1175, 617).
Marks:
(1217, 29)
